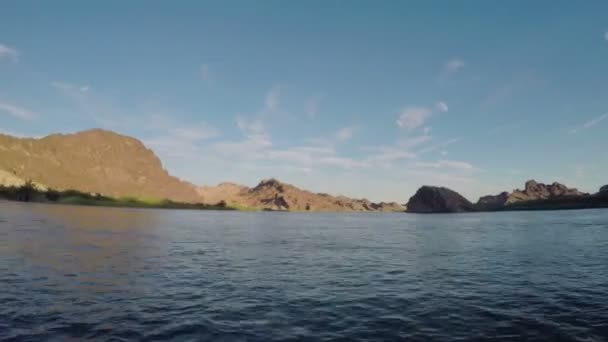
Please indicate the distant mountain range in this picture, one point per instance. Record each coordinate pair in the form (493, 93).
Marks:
(103, 162)
(272, 194)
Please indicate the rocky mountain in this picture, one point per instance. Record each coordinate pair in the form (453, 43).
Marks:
(533, 191)
(272, 194)
(107, 163)
(95, 161)
(432, 199)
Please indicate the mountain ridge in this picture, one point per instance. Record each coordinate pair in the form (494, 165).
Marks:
(271, 194)
(103, 162)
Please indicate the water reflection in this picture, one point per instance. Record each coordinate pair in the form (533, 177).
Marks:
(77, 244)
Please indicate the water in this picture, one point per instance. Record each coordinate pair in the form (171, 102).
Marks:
(73, 273)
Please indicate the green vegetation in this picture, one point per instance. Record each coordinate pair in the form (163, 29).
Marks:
(28, 192)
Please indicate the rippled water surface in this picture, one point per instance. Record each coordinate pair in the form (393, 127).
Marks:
(81, 273)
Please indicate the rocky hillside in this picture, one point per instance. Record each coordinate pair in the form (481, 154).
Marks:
(272, 194)
(432, 199)
(532, 191)
(94, 161)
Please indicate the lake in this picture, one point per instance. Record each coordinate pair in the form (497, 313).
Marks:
(110, 274)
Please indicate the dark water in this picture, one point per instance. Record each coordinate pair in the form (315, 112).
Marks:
(78, 273)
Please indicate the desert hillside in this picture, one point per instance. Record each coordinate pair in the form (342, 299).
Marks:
(95, 161)
(107, 163)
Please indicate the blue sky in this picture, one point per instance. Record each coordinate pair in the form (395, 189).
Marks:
(362, 98)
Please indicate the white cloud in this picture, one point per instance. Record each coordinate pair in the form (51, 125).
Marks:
(205, 74)
(441, 106)
(250, 127)
(590, 123)
(16, 111)
(446, 164)
(412, 117)
(256, 146)
(312, 106)
(454, 65)
(345, 134)
(272, 100)
(8, 53)
(255, 141)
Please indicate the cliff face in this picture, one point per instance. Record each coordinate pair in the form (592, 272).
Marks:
(431, 199)
(272, 194)
(95, 161)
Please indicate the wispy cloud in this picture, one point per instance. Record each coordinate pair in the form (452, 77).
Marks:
(182, 140)
(8, 53)
(272, 99)
(257, 146)
(589, 123)
(439, 145)
(312, 106)
(453, 65)
(388, 154)
(413, 142)
(16, 111)
(447, 164)
(441, 106)
(414, 117)
(341, 135)
(345, 134)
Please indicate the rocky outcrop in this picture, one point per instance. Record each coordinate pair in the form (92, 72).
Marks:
(431, 199)
(533, 191)
(539, 191)
(604, 189)
(93, 161)
(271, 194)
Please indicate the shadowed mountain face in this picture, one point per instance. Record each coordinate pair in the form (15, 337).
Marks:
(533, 191)
(95, 161)
(431, 199)
(274, 195)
